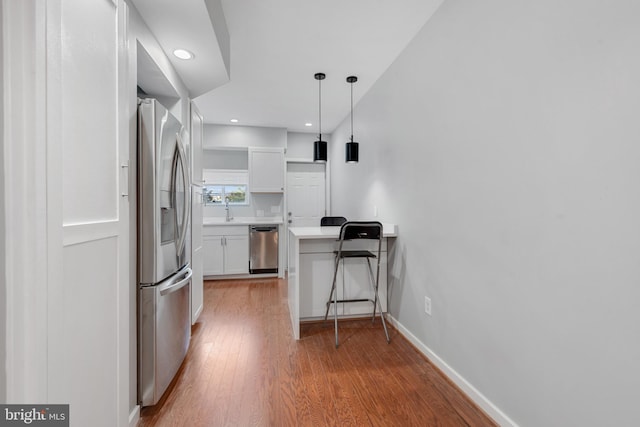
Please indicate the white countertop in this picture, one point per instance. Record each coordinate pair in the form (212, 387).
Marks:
(243, 220)
(388, 230)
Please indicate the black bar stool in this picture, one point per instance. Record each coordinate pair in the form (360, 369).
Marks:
(353, 230)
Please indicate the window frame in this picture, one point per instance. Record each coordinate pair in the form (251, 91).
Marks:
(223, 194)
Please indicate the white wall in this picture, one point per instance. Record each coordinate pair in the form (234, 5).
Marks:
(504, 142)
(3, 281)
(216, 13)
(140, 34)
(243, 136)
(300, 145)
(225, 159)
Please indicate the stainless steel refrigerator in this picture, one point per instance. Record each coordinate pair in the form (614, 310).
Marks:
(164, 273)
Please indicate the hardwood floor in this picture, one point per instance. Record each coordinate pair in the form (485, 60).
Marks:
(245, 369)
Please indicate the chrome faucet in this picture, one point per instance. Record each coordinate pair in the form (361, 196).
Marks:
(228, 211)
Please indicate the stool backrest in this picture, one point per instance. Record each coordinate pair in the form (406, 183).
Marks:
(351, 230)
(332, 221)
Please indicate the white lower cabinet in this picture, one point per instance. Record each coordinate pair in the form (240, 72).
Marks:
(213, 251)
(236, 254)
(225, 250)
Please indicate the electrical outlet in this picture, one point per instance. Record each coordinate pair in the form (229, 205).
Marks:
(427, 305)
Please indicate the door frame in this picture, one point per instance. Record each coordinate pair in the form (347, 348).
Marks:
(27, 231)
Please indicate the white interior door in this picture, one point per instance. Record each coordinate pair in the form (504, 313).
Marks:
(305, 194)
(88, 311)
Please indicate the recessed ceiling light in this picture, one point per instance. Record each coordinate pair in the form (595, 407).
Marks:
(308, 124)
(234, 120)
(183, 54)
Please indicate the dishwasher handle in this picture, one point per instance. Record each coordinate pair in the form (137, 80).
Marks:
(263, 228)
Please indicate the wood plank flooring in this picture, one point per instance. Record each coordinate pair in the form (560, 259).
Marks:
(245, 369)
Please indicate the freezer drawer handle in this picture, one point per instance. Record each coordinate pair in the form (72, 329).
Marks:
(172, 287)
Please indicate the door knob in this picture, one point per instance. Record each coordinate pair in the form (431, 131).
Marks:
(290, 221)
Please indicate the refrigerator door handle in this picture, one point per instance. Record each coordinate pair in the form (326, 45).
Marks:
(187, 204)
(174, 286)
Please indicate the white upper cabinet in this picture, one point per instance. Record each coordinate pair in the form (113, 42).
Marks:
(266, 170)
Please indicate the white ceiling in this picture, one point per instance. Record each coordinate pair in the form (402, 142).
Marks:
(189, 24)
(276, 46)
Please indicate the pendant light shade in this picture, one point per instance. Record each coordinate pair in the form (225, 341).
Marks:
(352, 154)
(320, 151)
(320, 146)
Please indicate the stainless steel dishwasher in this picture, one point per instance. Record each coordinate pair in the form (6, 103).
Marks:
(263, 248)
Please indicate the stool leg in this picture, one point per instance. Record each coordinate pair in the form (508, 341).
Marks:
(335, 311)
(375, 296)
(334, 294)
(326, 314)
(333, 289)
(376, 299)
(384, 324)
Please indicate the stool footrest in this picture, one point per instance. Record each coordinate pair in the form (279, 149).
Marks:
(351, 300)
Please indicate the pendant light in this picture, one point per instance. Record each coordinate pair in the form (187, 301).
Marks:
(351, 151)
(320, 146)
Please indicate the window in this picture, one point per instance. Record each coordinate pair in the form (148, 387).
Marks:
(217, 194)
(225, 183)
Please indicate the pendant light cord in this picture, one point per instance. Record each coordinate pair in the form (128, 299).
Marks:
(320, 109)
(351, 147)
(351, 111)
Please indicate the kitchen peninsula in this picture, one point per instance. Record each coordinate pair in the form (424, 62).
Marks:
(311, 267)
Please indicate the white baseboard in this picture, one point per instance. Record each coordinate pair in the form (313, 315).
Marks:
(198, 313)
(478, 398)
(134, 416)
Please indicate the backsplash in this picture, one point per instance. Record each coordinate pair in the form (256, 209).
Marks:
(260, 205)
